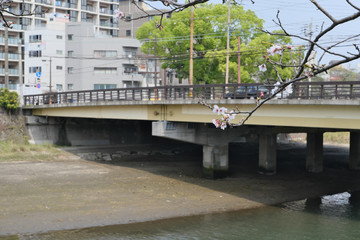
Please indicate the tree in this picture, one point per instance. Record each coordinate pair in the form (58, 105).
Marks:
(210, 26)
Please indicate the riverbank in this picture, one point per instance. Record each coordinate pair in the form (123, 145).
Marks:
(70, 192)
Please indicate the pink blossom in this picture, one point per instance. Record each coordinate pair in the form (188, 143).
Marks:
(262, 68)
(216, 109)
(223, 125)
(222, 110)
(216, 122)
(275, 49)
(118, 15)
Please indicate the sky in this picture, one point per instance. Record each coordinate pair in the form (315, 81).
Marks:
(301, 17)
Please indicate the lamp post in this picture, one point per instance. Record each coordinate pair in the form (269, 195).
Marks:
(50, 83)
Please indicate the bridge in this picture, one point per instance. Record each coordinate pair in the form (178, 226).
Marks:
(313, 108)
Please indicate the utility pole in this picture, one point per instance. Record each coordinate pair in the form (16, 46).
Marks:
(239, 72)
(191, 74)
(227, 46)
(6, 58)
(155, 49)
(20, 74)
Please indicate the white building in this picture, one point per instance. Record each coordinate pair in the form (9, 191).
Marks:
(73, 57)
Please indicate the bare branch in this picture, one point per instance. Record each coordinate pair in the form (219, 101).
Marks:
(351, 4)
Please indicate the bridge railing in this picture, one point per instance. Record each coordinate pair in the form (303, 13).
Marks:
(301, 90)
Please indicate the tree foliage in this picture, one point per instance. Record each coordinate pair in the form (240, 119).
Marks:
(8, 100)
(210, 27)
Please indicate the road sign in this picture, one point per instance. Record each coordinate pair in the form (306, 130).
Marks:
(38, 74)
(38, 85)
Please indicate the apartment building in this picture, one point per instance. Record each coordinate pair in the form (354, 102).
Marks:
(71, 56)
(97, 12)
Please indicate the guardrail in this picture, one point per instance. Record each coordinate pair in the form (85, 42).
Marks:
(301, 90)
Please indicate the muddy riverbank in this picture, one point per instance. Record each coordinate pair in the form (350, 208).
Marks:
(72, 192)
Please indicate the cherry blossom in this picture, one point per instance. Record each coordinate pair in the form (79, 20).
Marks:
(262, 67)
(275, 49)
(118, 15)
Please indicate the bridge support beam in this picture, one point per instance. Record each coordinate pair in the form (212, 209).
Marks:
(354, 151)
(215, 161)
(314, 152)
(267, 153)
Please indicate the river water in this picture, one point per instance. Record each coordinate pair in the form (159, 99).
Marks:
(330, 217)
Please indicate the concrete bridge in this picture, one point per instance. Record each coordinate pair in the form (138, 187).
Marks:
(174, 112)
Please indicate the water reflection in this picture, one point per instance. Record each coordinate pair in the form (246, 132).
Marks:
(329, 217)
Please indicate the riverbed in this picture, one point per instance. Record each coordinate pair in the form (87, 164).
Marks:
(74, 193)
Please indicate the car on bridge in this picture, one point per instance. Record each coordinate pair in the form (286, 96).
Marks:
(251, 91)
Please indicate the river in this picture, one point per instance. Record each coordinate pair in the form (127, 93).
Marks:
(330, 217)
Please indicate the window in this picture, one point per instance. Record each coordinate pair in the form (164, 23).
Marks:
(105, 53)
(59, 52)
(59, 37)
(128, 33)
(34, 38)
(59, 87)
(70, 70)
(70, 53)
(70, 86)
(34, 53)
(59, 67)
(130, 69)
(70, 37)
(104, 86)
(105, 70)
(34, 69)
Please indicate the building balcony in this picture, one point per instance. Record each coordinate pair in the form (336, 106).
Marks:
(62, 4)
(11, 56)
(108, 24)
(46, 2)
(106, 11)
(11, 71)
(133, 77)
(88, 8)
(11, 41)
(11, 86)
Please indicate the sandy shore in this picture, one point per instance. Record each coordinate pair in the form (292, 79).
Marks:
(75, 193)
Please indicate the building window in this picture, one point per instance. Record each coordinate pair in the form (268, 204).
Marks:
(70, 37)
(59, 67)
(34, 38)
(59, 37)
(130, 69)
(34, 53)
(105, 70)
(70, 86)
(70, 53)
(104, 86)
(128, 33)
(59, 52)
(105, 53)
(70, 70)
(59, 87)
(34, 69)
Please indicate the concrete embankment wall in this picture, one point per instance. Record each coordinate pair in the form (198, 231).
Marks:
(85, 132)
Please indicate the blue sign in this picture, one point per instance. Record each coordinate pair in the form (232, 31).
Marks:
(38, 85)
(38, 74)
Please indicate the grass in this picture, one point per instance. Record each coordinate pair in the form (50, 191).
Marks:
(10, 151)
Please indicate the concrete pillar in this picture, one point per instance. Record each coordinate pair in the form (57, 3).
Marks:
(314, 152)
(215, 161)
(354, 151)
(267, 153)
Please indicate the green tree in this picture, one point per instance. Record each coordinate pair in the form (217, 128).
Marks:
(210, 27)
(8, 100)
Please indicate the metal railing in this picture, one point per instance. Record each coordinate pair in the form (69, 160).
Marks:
(301, 90)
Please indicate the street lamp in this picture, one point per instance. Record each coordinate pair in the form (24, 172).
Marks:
(49, 71)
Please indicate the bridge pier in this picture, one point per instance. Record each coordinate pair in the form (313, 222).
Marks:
(314, 152)
(267, 152)
(215, 161)
(354, 163)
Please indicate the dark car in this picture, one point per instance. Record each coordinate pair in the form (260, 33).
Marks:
(248, 92)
